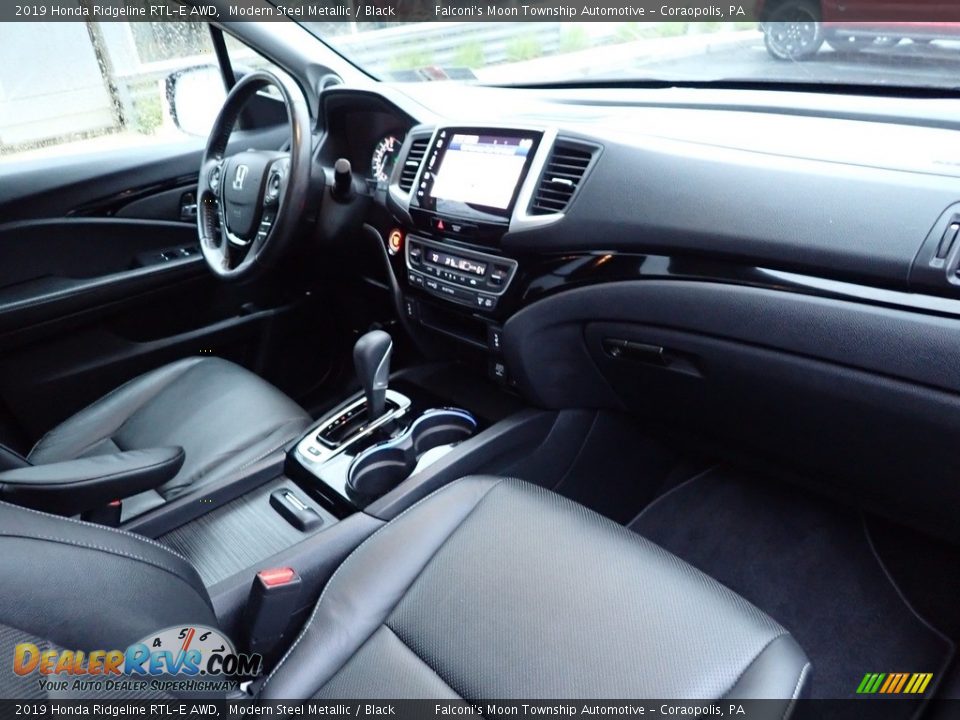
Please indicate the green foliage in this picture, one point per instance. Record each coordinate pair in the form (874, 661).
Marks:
(470, 55)
(411, 60)
(148, 114)
(573, 39)
(524, 47)
(712, 27)
(673, 29)
(629, 31)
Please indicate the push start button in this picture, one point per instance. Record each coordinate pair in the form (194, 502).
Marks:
(395, 242)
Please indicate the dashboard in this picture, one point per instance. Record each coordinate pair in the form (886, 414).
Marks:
(482, 212)
(365, 130)
(779, 188)
(707, 259)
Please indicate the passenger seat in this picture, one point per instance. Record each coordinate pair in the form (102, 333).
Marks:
(489, 588)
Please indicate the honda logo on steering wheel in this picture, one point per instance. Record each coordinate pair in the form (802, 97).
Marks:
(238, 179)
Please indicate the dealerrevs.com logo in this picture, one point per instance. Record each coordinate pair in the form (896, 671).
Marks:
(188, 659)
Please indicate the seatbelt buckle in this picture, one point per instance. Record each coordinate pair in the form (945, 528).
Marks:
(274, 598)
(108, 515)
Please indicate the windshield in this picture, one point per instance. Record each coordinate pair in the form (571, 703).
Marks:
(794, 46)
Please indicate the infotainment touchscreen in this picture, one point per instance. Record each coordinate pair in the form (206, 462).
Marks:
(472, 172)
(481, 169)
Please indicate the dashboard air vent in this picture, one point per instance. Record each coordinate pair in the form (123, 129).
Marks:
(566, 166)
(418, 148)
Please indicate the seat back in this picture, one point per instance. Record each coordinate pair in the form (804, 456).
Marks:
(78, 586)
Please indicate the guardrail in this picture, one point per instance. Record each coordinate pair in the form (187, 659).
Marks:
(452, 44)
(494, 51)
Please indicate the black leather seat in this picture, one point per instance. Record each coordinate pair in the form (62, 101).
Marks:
(223, 416)
(487, 589)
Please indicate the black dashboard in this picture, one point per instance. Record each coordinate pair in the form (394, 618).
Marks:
(480, 218)
(366, 130)
(709, 262)
(782, 189)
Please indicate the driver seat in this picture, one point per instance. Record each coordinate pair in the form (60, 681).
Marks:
(224, 417)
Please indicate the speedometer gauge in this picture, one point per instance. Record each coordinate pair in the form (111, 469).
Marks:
(384, 157)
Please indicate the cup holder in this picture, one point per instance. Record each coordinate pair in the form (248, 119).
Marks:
(382, 467)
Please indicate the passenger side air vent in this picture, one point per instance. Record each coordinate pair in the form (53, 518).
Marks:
(418, 148)
(565, 169)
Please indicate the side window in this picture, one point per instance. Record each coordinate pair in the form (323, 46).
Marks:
(69, 87)
(243, 58)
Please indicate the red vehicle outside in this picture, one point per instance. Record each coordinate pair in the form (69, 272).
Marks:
(796, 29)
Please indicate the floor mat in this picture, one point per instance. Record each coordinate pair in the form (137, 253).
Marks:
(806, 562)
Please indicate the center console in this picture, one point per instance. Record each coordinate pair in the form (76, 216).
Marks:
(370, 444)
(474, 279)
(455, 193)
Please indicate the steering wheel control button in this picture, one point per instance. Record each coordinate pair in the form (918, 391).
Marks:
(274, 183)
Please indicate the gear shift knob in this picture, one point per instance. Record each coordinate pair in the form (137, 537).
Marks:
(371, 358)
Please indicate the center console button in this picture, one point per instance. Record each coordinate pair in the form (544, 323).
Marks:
(495, 339)
(410, 308)
(498, 371)
(487, 302)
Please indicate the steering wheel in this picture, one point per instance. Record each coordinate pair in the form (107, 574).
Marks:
(251, 202)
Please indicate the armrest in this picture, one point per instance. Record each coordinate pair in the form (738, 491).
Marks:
(73, 486)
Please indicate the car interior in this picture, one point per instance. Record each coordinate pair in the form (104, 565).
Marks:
(449, 390)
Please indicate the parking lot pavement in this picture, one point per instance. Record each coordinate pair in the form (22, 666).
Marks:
(937, 64)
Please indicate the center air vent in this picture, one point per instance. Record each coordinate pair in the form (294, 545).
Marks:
(561, 177)
(418, 148)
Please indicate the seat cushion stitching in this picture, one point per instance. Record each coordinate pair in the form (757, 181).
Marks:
(89, 546)
(402, 642)
(796, 688)
(287, 438)
(182, 374)
(752, 662)
(188, 483)
(423, 660)
(330, 582)
(119, 531)
(110, 394)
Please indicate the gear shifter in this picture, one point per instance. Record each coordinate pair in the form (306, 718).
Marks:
(371, 357)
